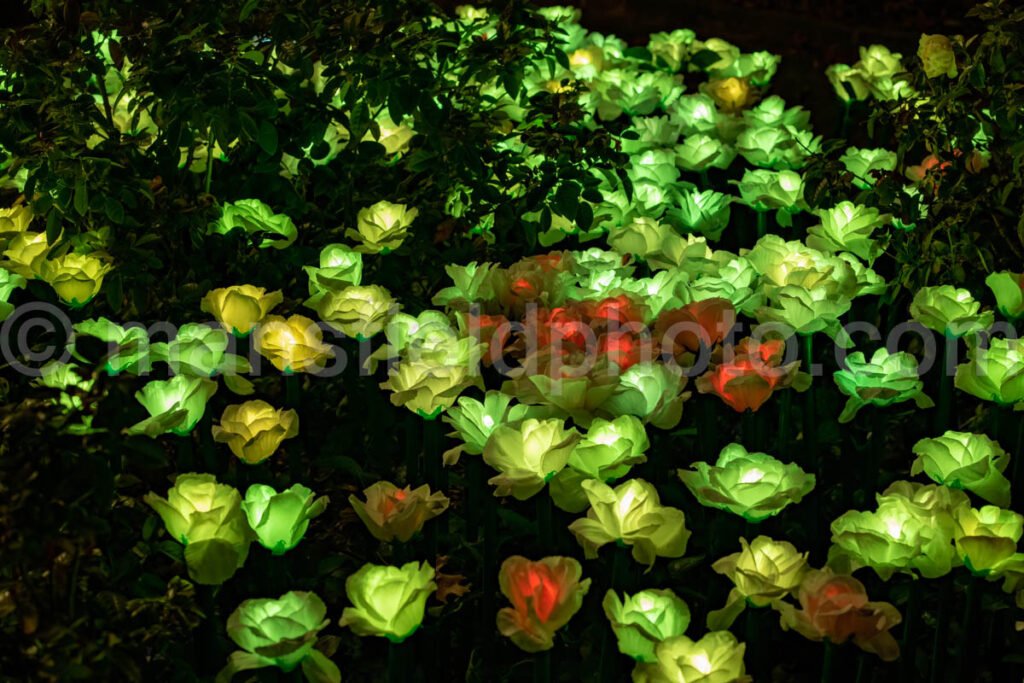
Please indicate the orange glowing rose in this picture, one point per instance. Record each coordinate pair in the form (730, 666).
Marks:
(682, 330)
(544, 596)
(837, 607)
(620, 310)
(391, 513)
(753, 372)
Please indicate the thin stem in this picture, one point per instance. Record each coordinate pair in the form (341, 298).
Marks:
(542, 668)
(970, 638)
(545, 525)
(938, 672)
(908, 647)
(705, 182)
(826, 661)
(762, 224)
(609, 647)
(844, 126)
(810, 403)
(396, 664)
(210, 143)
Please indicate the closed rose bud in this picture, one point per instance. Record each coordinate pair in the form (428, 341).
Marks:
(391, 513)
(388, 601)
(545, 594)
(1008, 288)
(253, 430)
(175, 405)
(240, 308)
(292, 345)
(382, 228)
(280, 520)
(75, 277)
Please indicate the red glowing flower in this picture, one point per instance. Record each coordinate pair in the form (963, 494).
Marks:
(544, 596)
(837, 607)
(699, 323)
(747, 379)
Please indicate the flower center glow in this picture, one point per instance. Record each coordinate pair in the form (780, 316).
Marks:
(752, 476)
(487, 421)
(701, 663)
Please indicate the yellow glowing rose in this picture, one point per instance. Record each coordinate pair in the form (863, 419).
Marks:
(292, 345)
(356, 311)
(26, 253)
(630, 513)
(253, 430)
(730, 94)
(241, 307)
(391, 513)
(76, 278)
(762, 573)
(937, 56)
(15, 219)
(429, 388)
(528, 455)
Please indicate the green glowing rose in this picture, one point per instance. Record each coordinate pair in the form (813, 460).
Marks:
(862, 163)
(765, 190)
(672, 48)
(644, 619)
(632, 514)
(699, 152)
(704, 212)
(1008, 289)
(735, 281)
(388, 601)
(528, 454)
(474, 422)
(199, 351)
(26, 253)
(652, 132)
(962, 460)
(651, 391)
(280, 520)
(877, 61)
(848, 227)
(240, 308)
(280, 633)
(258, 221)
(950, 311)
(175, 405)
(715, 658)
(132, 344)
(994, 372)
(986, 539)
(763, 573)
(806, 311)
(426, 337)
(755, 486)
(771, 147)
(655, 165)
(641, 237)
(911, 530)
(607, 452)
(355, 311)
(758, 67)
(696, 114)
(772, 111)
(205, 517)
(428, 388)
(887, 379)
(470, 283)
(382, 228)
(339, 268)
